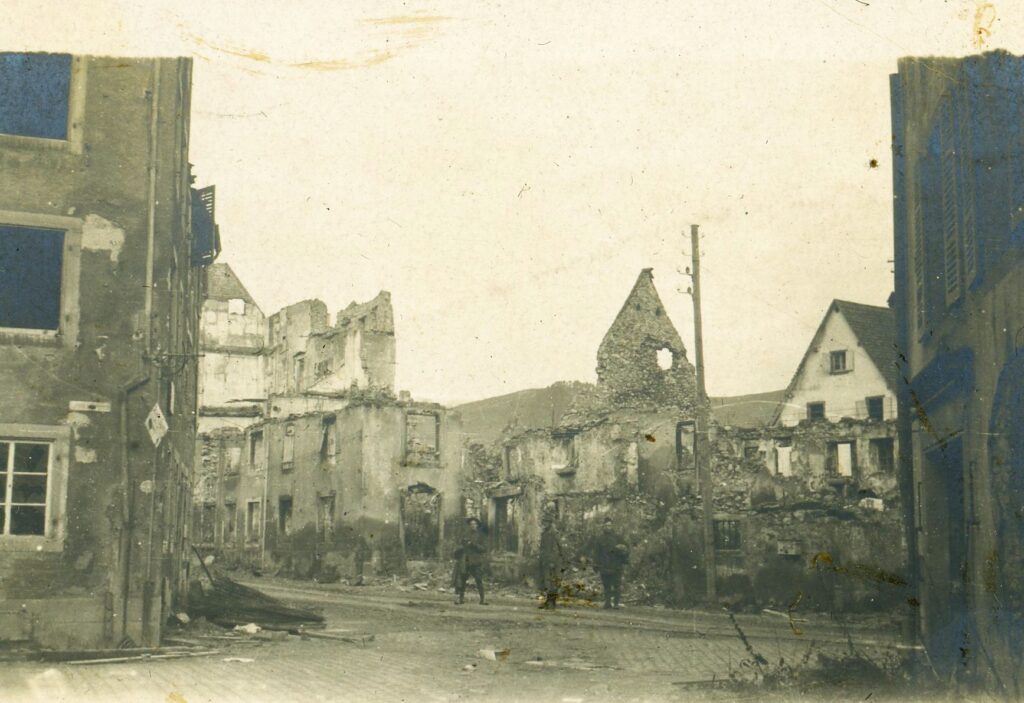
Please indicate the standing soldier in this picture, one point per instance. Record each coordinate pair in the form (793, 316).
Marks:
(469, 561)
(361, 553)
(550, 567)
(610, 554)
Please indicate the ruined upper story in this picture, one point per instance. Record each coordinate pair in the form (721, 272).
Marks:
(306, 354)
(642, 361)
(292, 361)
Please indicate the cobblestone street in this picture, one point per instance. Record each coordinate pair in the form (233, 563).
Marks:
(424, 648)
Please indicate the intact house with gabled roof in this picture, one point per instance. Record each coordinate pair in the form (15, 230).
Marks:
(849, 369)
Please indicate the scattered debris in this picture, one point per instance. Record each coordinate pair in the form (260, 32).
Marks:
(180, 642)
(239, 660)
(572, 663)
(228, 603)
(250, 629)
(469, 667)
(97, 654)
(360, 639)
(494, 654)
(142, 657)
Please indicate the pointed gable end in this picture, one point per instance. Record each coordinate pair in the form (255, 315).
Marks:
(875, 328)
(223, 284)
(871, 338)
(628, 367)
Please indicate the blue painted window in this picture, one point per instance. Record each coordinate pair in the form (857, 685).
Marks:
(31, 261)
(34, 94)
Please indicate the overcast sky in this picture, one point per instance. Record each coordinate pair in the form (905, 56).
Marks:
(506, 170)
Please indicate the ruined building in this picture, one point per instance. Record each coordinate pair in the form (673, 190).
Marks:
(628, 436)
(304, 444)
(254, 367)
(295, 489)
(958, 185)
(785, 492)
(309, 360)
(819, 480)
(102, 244)
(641, 362)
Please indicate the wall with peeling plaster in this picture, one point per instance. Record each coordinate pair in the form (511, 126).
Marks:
(67, 590)
(363, 464)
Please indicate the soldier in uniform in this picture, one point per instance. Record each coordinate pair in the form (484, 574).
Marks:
(361, 553)
(609, 554)
(470, 555)
(549, 578)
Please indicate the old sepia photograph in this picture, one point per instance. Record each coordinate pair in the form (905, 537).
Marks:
(452, 351)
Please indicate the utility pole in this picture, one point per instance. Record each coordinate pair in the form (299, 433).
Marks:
(701, 439)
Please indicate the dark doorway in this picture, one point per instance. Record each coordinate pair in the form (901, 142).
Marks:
(506, 527)
(945, 570)
(421, 522)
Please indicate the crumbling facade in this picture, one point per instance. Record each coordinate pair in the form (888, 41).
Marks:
(305, 354)
(102, 244)
(294, 492)
(642, 361)
(305, 446)
(797, 504)
(256, 369)
(958, 177)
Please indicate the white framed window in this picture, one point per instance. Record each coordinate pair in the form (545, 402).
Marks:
(42, 100)
(839, 361)
(40, 256)
(33, 476)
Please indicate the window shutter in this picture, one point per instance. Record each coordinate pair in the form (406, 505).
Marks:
(861, 408)
(850, 354)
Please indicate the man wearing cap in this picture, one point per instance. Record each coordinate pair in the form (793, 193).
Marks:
(609, 554)
(469, 561)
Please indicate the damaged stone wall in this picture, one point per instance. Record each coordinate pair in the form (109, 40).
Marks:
(794, 506)
(640, 469)
(288, 334)
(306, 354)
(330, 476)
(642, 361)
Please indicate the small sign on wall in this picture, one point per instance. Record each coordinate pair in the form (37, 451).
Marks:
(156, 424)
